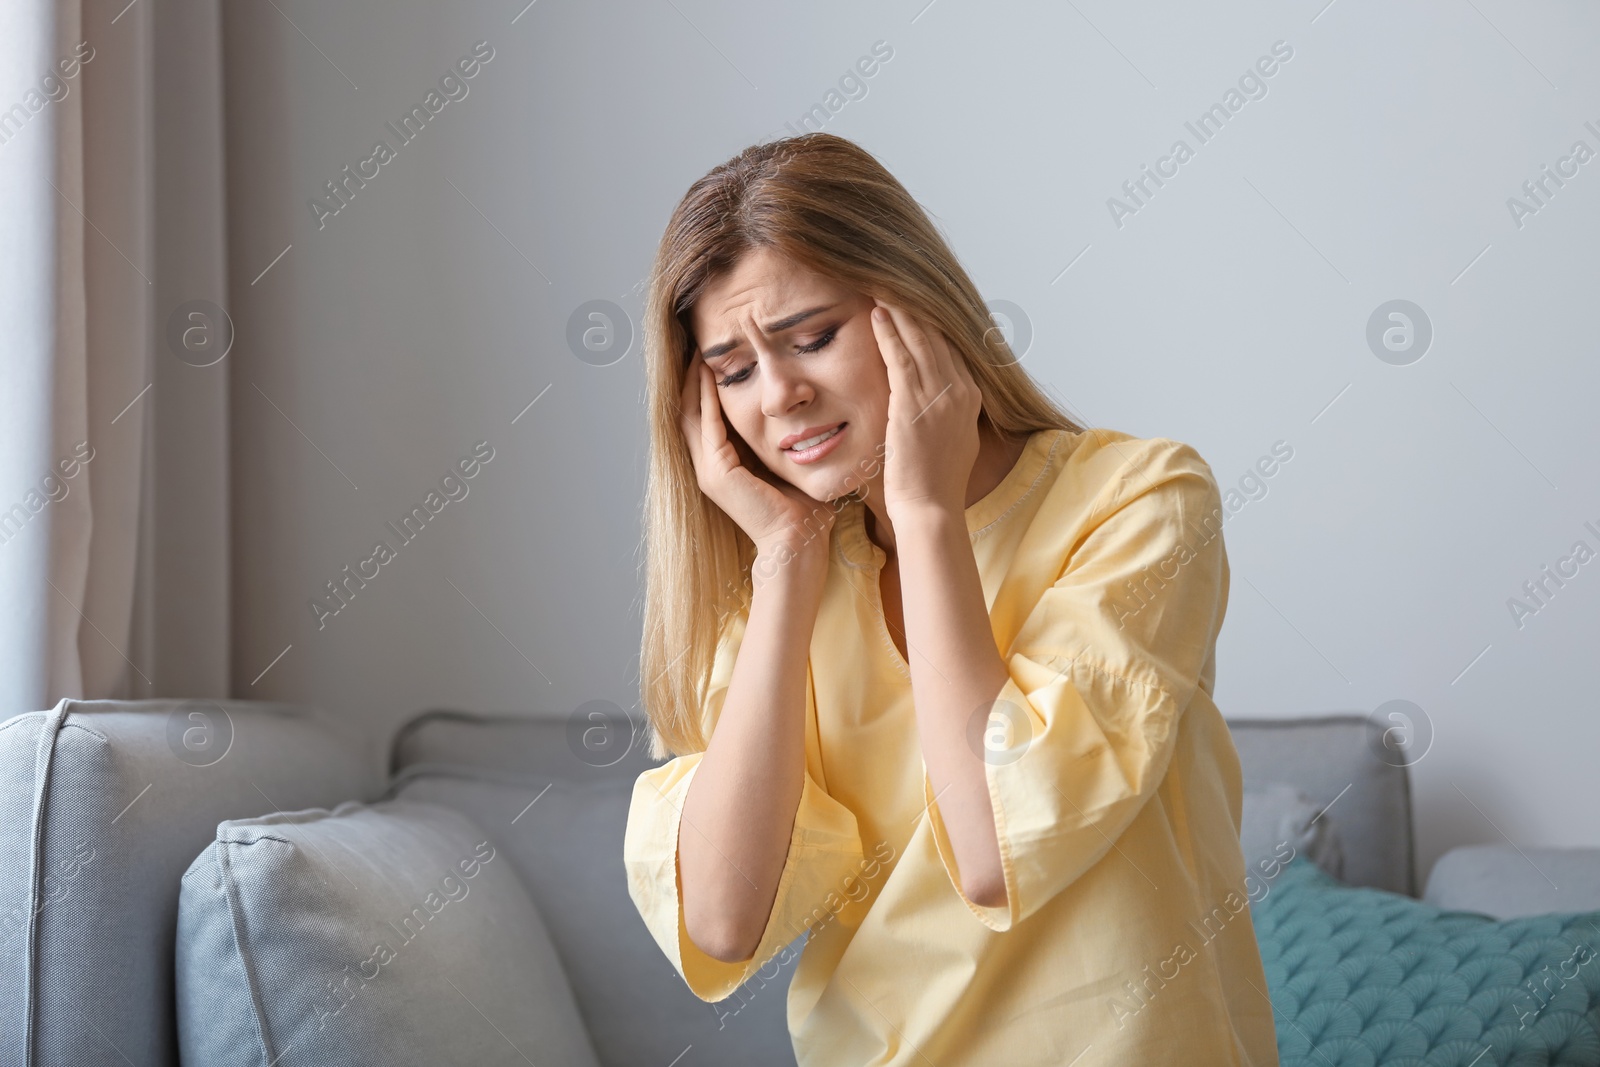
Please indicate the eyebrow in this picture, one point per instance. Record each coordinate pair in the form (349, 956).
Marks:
(772, 327)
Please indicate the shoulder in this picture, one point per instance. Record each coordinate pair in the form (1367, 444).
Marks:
(1103, 469)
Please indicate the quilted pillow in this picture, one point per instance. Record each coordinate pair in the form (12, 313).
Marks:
(1366, 977)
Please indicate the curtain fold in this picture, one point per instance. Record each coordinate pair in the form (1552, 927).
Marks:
(110, 141)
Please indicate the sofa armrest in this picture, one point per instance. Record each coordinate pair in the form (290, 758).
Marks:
(1508, 882)
(103, 804)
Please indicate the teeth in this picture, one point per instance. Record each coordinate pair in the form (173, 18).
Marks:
(799, 446)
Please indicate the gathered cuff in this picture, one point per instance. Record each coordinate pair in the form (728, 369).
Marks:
(824, 852)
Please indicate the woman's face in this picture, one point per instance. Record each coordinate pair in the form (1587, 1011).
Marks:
(794, 356)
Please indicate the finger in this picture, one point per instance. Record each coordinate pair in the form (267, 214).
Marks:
(951, 364)
(689, 409)
(945, 351)
(969, 393)
(747, 456)
(903, 373)
(697, 406)
(689, 392)
(938, 359)
(713, 435)
(910, 327)
(935, 358)
(924, 357)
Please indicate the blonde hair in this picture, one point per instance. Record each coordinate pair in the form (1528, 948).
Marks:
(826, 204)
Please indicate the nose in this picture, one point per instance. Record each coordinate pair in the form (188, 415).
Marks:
(783, 385)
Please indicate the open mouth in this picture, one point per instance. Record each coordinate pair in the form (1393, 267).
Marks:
(815, 447)
(812, 442)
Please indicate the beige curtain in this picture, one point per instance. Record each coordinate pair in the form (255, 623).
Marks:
(113, 516)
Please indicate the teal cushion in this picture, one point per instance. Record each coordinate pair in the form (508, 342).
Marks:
(1366, 977)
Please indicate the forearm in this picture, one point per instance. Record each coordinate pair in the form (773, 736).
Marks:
(739, 813)
(956, 674)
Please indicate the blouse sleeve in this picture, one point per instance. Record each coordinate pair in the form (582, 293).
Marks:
(1098, 675)
(824, 857)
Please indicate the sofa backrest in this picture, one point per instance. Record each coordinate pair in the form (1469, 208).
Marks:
(1341, 762)
(555, 797)
(565, 784)
(103, 804)
(582, 746)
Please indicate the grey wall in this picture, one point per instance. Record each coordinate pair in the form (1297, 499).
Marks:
(1230, 310)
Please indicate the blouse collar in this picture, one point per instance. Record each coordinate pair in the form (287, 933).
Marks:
(859, 550)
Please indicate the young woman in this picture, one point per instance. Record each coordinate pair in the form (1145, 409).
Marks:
(932, 662)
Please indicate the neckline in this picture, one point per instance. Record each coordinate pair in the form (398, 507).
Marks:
(851, 523)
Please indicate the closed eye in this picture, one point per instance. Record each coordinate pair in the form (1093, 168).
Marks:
(821, 342)
(815, 346)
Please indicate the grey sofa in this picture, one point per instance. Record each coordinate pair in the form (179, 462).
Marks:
(103, 804)
(106, 804)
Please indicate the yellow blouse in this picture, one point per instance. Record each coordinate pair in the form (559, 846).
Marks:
(1126, 936)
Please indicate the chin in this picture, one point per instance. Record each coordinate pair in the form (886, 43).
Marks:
(819, 487)
(840, 474)
(836, 496)
(837, 486)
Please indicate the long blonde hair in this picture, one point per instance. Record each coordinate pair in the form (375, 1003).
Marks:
(826, 204)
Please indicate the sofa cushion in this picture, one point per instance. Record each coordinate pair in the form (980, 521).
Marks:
(1507, 881)
(1279, 823)
(102, 806)
(1341, 763)
(394, 933)
(1360, 975)
(565, 838)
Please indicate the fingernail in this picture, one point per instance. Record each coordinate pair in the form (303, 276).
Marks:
(880, 314)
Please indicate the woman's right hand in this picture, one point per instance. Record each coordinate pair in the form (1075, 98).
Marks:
(771, 512)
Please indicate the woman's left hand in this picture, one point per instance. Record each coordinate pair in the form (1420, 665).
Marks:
(933, 415)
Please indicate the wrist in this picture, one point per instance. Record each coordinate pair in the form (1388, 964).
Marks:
(783, 561)
(915, 517)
